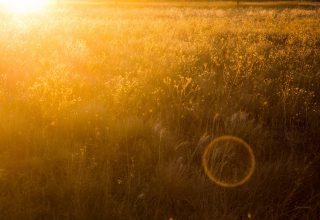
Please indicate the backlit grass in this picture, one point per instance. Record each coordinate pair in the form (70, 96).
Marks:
(105, 111)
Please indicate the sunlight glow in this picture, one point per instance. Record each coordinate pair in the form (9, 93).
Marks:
(24, 6)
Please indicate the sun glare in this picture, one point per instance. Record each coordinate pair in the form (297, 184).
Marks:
(24, 6)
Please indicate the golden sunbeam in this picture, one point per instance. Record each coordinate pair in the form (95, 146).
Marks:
(23, 6)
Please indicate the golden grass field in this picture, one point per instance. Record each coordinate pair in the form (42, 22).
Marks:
(106, 110)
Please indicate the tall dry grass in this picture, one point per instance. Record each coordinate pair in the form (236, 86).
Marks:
(104, 112)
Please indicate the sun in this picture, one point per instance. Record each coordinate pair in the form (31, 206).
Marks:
(24, 6)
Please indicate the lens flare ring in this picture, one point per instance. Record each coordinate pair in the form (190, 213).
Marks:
(213, 177)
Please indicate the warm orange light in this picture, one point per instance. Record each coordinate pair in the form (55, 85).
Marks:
(24, 6)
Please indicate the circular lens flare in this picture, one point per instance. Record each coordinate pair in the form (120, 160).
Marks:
(24, 6)
(228, 161)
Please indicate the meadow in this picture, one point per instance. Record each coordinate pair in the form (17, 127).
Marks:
(105, 111)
